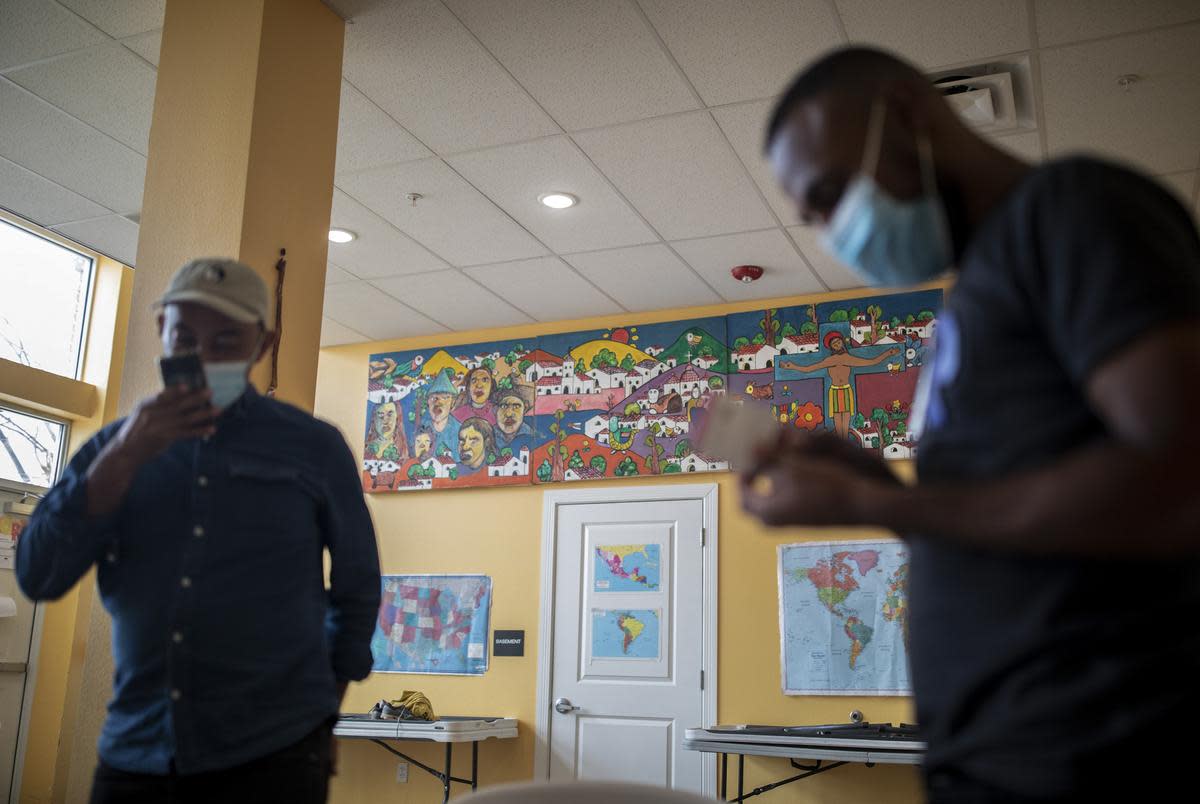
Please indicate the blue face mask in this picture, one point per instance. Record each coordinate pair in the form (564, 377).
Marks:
(227, 381)
(887, 241)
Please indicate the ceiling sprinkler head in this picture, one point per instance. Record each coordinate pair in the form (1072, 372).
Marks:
(1127, 80)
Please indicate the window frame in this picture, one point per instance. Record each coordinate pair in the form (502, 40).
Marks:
(12, 484)
(93, 258)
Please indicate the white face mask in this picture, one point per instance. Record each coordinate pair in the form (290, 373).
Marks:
(890, 242)
(227, 379)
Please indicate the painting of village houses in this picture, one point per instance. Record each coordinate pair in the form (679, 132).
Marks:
(632, 401)
(452, 417)
(848, 366)
(626, 401)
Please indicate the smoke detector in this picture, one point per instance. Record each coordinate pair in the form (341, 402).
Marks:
(746, 273)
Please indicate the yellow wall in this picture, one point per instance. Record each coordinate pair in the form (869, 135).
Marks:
(498, 532)
(56, 694)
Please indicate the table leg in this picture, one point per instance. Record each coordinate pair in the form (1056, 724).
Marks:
(724, 777)
(741, 774)
(446, 778)
(474, 764)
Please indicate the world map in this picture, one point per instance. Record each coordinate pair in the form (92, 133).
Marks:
(627, 567)
(844, 618)
(625, 634)
(432, 624)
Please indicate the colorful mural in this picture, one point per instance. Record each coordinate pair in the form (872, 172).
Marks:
(849, 366)
(629, 401)
(625, 401)
(447, 418)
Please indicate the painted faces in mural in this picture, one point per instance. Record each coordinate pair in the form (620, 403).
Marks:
(476, 445)
(385, 439)
(444, 427)
(475, 401)
(423, 444)
(512, 406)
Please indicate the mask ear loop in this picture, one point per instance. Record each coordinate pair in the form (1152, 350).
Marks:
(929, 186)
(928, 175)
(874, 141)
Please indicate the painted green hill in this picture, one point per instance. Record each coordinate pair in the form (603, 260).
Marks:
(694, 342)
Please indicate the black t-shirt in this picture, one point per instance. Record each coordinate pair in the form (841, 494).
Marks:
(1038, 675)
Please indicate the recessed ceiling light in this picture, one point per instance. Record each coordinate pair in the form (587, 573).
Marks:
(341, 235)
(558, 200)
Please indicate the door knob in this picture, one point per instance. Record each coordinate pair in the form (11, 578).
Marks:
(564, 706)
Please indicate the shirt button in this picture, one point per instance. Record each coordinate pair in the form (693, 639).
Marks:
(202, 481)
(185, 582)
(111, 558)
(177, 637)
(176, 695)
(198, 531)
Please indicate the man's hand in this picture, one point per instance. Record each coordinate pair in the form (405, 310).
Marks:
(812, 480)
(170, 415)
(157, 422)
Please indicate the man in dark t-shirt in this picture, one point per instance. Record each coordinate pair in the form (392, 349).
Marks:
(1054, 590)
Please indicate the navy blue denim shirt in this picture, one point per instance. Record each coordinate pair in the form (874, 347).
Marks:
(227, 644)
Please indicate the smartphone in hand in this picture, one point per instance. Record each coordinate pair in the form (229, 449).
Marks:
(186, 370)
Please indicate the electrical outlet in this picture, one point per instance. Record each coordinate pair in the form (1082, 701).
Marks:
(401, 773)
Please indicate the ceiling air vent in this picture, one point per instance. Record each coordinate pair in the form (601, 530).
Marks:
(985, 102)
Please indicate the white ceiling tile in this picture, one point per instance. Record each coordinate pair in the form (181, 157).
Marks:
(743, 51)
(379, 250)
(335, 334)
(414, 59)
(41, 201)
(453, 299)
(374, 313)
(515, 175)
(38, 29)
(368, 138)
(837, 275)
(1154, 122)
(681, 175)
(1061, 21)
(745, 125)
(644, 277)
(1025, 145)
(335, 275)
(43, 139)
(784, 271)
(105, 86)
(146, 45)
(546, 288)
(589, 63)
(119, 18)
(933, 33)
(1183, 187)
(112, 235)
(452, 219)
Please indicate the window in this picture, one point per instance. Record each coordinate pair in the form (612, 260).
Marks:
(45, 299)
(30, 447)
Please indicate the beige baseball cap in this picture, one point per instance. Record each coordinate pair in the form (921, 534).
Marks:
(222, 284)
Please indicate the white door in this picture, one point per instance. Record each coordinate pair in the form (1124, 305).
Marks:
(628, 642)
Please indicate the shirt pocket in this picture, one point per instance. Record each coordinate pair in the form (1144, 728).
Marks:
(272, 496)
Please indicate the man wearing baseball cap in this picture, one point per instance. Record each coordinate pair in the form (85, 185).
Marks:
(207, 513)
